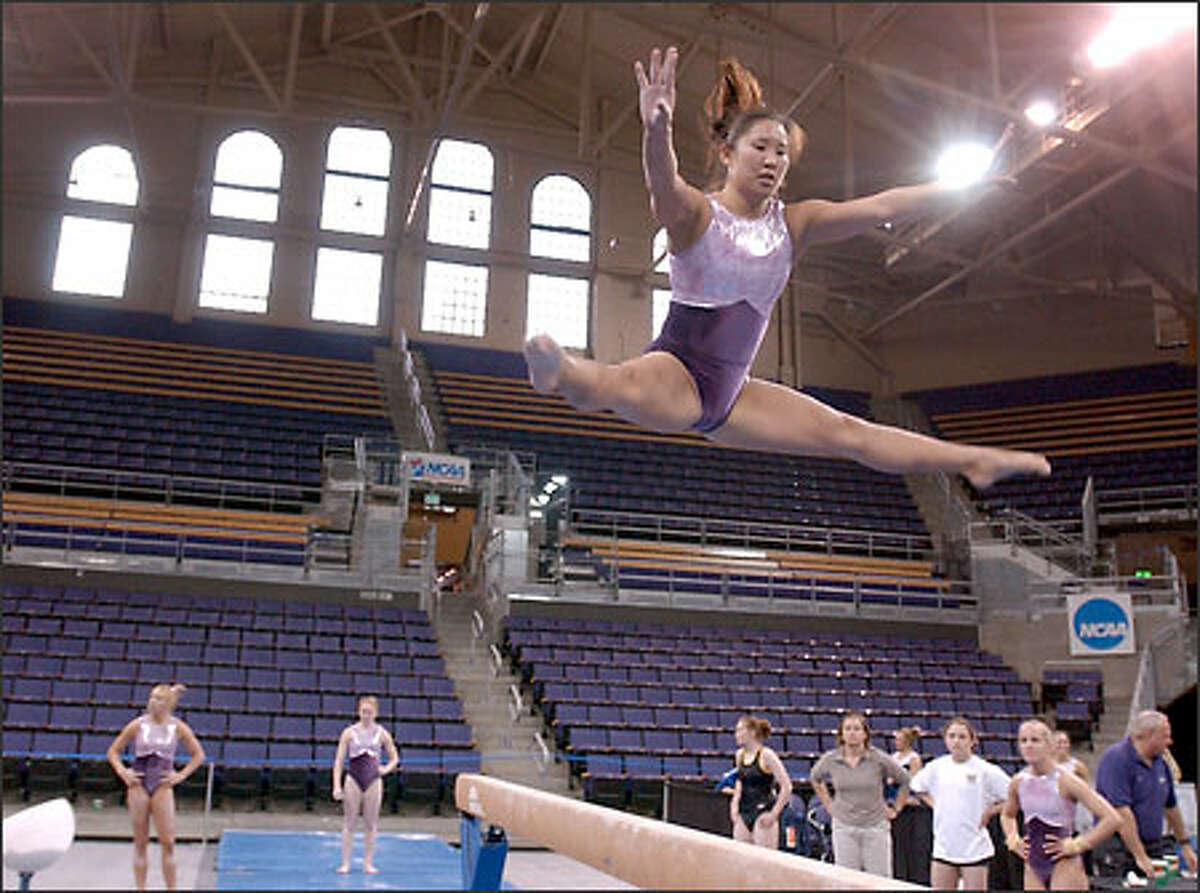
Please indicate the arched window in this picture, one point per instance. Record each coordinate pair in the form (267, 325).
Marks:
(460, 195)
(660, 294)
(560, 219)
(349, 270)
(460, 214)
(357, 173)
(239, 249)
(93, 252)
(246, 178)
(560, 229)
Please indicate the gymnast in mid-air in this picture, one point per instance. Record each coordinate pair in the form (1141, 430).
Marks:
(731, 252)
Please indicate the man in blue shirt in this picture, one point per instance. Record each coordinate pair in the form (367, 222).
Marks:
(1133, 776)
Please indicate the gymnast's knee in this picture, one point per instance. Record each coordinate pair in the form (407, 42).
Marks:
(847, 435)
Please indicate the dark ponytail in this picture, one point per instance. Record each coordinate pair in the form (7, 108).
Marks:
(734, 103)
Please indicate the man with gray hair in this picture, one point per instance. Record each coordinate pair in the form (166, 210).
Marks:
(1133, 776)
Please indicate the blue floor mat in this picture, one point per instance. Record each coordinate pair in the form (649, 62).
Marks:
(285, 860)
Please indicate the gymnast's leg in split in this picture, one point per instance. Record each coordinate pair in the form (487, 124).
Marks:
(656, 391)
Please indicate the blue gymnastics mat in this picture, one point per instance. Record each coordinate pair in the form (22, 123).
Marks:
(286, 860)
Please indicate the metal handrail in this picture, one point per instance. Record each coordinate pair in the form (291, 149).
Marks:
(794, 587)
(752, 534)
(175, 489)
(1148, 500)
(79, 535)
(1052, 595)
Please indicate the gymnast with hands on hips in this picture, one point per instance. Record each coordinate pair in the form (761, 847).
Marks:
(731, 253)
(150, 782)
(1047, 793)
(361, 747)
(763, 785)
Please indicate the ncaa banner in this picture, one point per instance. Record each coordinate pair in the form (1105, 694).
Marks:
(437, 468)
(1101, 624)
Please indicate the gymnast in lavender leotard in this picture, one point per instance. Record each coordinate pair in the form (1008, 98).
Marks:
(360, 749)
(1047, 814)
(723, 287)
(1047, 793)
(155, 736)
(732, 248)
(365, 753)
(154, 751)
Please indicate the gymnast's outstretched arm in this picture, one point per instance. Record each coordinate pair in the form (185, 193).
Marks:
(817, 221)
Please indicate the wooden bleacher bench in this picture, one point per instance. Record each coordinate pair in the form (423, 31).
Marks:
(682, 556)
(278, 360)
(159, 518)
(190, 371)
(1125, 423)
(1083, 406)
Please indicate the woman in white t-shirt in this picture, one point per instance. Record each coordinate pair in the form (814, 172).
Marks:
(966, 791)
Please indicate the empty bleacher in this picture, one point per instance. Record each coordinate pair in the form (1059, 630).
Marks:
(93, 401)
(137, 528)
(270, 683)
(795, 575)
(1128, 429)
(615, 466)
(635, 702)
(126, 432)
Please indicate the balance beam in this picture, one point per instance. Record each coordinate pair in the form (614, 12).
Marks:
(648, 853)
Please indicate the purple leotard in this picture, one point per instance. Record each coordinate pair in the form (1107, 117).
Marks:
(154, 751)
(365, 751)
(1047, 813)
(722, 290)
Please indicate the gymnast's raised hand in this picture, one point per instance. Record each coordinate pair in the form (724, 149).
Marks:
(656, 93)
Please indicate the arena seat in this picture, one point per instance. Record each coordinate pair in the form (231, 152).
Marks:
(593, 680)
(259, 670)
(616, 466)
(90, 401)
(1128, 429)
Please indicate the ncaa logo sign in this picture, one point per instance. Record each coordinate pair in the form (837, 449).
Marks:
(1101, 624)
(434, 468)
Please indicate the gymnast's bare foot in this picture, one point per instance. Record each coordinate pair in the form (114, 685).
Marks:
(343, 869)
(544, 358)
(370, 869)
(993, 464)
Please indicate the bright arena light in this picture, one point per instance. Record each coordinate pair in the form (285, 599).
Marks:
(1136, 26)
(1041, 112)
(963, 164)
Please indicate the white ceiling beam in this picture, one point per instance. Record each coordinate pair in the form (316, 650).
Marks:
(464, 61)
(327, 11)
(464, 58)
(84, 47)
(417, 93)
(247, 55)
(494, 67)
(385, 24)
(585, 81)
(289, 78)
(527, 44)
(858, 44)
(133, 45)
(555, 24)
